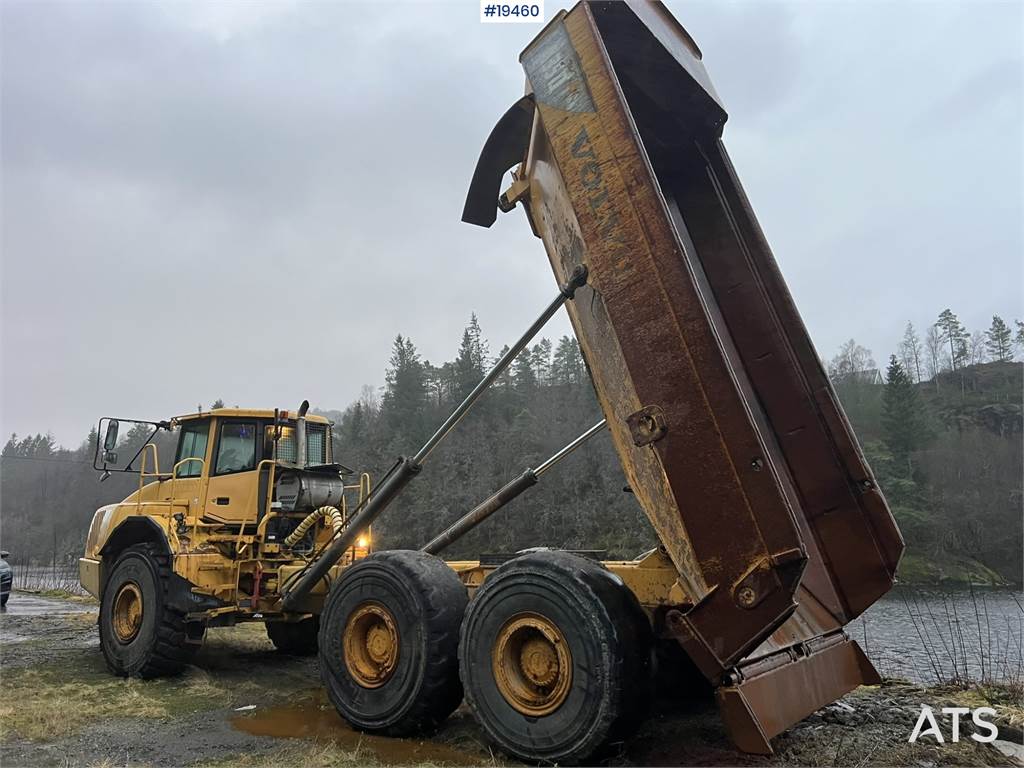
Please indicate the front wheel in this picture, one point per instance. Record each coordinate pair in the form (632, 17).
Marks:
(555, 656)
(140, 634)
(389, 638)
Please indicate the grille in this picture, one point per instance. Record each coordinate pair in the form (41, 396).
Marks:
(316, 444)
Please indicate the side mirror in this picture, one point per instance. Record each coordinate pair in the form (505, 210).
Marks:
(110, 439)
(4, 554)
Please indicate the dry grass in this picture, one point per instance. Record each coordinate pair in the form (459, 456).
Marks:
(314, 754)
(62, 594)
(48, 703)
(304, 753)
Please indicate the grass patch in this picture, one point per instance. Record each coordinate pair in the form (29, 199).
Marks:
(51, 702)
(61, 594)
(1006, 698)
(306, 754)
(916, 568)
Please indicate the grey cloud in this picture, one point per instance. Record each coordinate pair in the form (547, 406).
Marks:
(253, 214)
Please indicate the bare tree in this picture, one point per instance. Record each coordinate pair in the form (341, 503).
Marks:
(368, 398)
(911, 352)
(977, 347)
(933, 352)
(852, 359)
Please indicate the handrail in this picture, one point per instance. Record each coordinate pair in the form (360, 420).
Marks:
(174, 479)
(261, 527)
(365, 485)
(143, 474)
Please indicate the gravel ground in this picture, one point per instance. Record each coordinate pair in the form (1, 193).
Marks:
(236, 703)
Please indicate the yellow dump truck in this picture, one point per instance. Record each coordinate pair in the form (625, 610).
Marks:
(773, 532)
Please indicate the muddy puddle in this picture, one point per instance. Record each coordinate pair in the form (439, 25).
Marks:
(316, 719)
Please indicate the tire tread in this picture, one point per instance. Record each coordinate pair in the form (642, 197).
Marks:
(172, 649)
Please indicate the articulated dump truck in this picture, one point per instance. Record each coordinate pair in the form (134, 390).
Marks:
(773, 533)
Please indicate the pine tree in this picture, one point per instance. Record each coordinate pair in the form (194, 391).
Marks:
(902, 416)
(1018, 339)
(999, 340)
(504, 381)
(524, 378)
(540, 358)
(478, 343)
(567, 363)
(952, 332)
(405, 393)
(353, 424)
(469, 367)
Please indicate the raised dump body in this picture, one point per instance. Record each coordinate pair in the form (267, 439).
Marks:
(727, 427)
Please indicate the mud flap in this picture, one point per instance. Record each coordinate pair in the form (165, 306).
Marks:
(778, 691)
(505, 147)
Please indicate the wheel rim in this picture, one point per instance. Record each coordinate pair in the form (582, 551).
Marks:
(532, 664)
(370, 641)
(128, 612)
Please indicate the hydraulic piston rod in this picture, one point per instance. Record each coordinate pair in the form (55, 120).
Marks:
(408, 468)
(504, 495)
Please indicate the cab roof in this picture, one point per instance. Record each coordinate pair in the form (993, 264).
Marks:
(252, 413)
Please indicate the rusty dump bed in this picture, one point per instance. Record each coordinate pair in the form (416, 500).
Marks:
(726, 425)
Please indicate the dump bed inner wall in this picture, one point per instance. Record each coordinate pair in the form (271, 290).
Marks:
(853, 543)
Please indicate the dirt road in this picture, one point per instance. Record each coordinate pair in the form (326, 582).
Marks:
(244, 704)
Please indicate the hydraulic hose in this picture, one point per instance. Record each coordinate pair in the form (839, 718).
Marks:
(331, 513)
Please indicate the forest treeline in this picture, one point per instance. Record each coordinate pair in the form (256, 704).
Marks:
(941, 425)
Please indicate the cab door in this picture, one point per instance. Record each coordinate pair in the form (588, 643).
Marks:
(232, 487)
(185, 490)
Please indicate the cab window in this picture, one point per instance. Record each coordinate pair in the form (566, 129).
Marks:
(236, 448)
(192, 445)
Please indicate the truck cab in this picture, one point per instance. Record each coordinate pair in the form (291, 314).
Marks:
(236, 505)
(223, 453)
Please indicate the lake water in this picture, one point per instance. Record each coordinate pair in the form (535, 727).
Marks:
(924, 635)
(928, 635)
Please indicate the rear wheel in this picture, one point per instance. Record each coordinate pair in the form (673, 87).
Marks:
(555, 656)
(140, 634)
(297, 638)
(389, 643)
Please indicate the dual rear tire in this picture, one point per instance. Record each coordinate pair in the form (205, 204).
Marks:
(389, 638)
(554, 651)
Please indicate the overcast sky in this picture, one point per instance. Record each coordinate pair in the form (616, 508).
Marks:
(249, 201)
